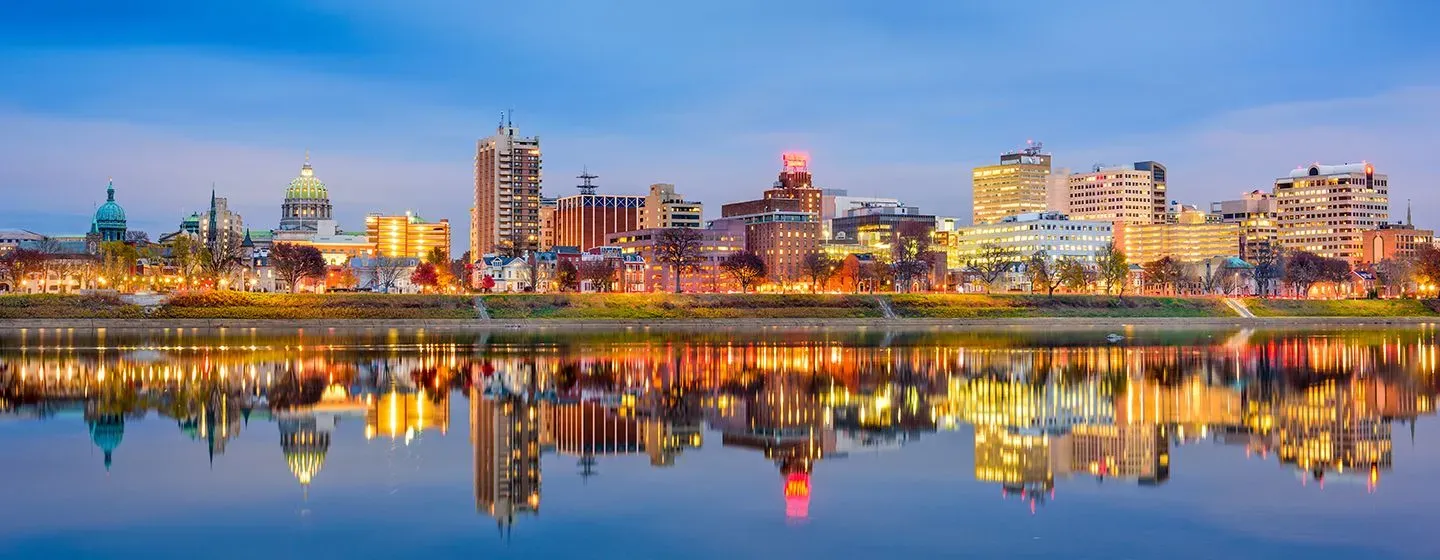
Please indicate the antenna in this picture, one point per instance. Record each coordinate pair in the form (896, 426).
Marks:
(588, 185)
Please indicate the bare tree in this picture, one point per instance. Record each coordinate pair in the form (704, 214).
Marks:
(746, 267)
(387, 272)
(819, 267)
(679, 248)
(600, 272)
(1113, 267)
(1074, 274)
(1044, 275)
(991, 262)
(909, 252)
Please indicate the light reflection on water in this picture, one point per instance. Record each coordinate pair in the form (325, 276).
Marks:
(717, 444)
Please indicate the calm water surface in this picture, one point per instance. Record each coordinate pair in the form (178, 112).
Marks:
(727, 444)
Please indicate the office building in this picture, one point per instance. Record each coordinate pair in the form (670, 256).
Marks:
(219, 227)
(784, 226)
(1325, 209)
(874, 225)
(307, 201)
(1017, 185)
(1255, 213)
(1125, 193)
(507, 193)
(1190, 239)
(505, 437)
(834, 203)
(1160, 188)
(1025, 234)
(1393, 241)
(583, 220)
(664, 208)
(548, 206)
(406, 235)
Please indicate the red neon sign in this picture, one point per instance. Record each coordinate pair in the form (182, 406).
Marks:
(795, 161)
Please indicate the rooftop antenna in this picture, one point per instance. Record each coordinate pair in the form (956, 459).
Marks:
(508, 116)
(1097, 167)
(587, 185)
(1033, 148)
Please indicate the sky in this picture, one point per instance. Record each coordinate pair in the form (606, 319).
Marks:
(170, 97)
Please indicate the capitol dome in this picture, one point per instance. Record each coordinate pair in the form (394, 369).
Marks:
(109, 222)
(307, 201)
(107, 431)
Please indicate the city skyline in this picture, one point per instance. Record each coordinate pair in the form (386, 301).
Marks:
(169, 100)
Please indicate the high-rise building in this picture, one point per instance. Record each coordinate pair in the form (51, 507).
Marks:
(307, 201)
(784, 226)
(1016, 185)
(219, 226)
(1118, 194)
(1324, 209)
(583, 220)
(507, 193)
(406, 235)
(1255, 213)
(1160, 193)
(1026, 234)
(665, 209)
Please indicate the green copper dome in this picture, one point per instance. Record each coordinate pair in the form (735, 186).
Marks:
(110, 213)
(306, 186)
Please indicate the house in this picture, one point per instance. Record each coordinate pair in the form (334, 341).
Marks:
(504, 274)
(385, 274)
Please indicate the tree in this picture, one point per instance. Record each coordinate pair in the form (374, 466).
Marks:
(1269, 270)
(346, 279)
(439, 259)
(117, 263)
(296, 263)
(745, 267)
(819, 266)
(18, 265)
(219, 261)
(567, 276)
(908, 254)
(1427, 266)
(679, 248)
(426, 276)
(1044, 276)
(991, 262)
(186, 257)
(1165, 273)
(1075, 275)
(49, 246)
(387, 272)
(1113, 268)
(600, 272)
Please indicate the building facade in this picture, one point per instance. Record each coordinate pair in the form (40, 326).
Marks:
(584, 220)
(548, 206)
(1025, 234)
(784, 225)
(507, 193)
(715, 245)
(1393, 241)
(874, 225)
(1117, 194)
(1255, 213)
(1325, 209)
(664, 209)
(307, 201)
(1017, 185)
(219, 227)
(406, 235)
(834, 203)
(1191, 239)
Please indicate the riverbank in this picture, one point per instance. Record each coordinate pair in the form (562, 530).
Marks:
(244, 310)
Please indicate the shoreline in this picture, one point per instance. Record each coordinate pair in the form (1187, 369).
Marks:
(700, 324)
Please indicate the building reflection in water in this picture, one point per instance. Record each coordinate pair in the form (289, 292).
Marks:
(1040, 410)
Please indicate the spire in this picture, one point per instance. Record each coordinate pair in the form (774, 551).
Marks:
(1408, 221)
(108, 461)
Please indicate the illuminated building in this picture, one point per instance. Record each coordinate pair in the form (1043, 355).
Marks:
(664, 209)
(505, 434)
(1027, 407)
(220, 228)
(406, 235)
(874, 226)
(665, 439)
(1190, 239)
(835, 203)
(11, 239)
(395, 414)
(583, 220)
(1017, 185)
(715, 245)
(548, 206)
(1018, 461)
(587, 429)
(307, 201)
(784, 226)
(507, 193)
(1335, 427)
(1256, 215)
(1119, 194)
(109, 222)
(338, 247)
(1054, 233)
(1325, 209)
(1393, 241)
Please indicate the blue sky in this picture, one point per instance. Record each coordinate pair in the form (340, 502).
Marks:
(170, 96)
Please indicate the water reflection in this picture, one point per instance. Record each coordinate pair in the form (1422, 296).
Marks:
(1042, 408)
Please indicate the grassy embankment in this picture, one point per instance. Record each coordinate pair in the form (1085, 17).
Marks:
(235, 305)
(1343, 308)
